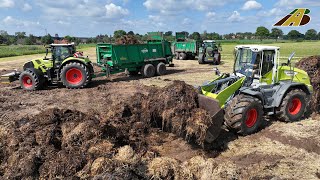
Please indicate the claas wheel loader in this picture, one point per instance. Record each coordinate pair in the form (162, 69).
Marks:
(259, 86)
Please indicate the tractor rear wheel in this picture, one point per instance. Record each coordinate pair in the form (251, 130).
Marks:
(244, 114)
(31, 80)
(182, 56)
(75, 75)
(200, 59)
(149, 70)
(293, 106)
(161, 69)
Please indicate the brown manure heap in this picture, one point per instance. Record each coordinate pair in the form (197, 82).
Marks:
(127, 39)
(312, 66)
(68, 144)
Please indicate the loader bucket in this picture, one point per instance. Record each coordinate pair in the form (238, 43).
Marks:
(216, 113)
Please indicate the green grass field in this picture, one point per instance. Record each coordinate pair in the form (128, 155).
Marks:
(19, 50)
(301, 49)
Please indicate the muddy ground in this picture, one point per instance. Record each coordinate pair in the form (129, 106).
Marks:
(98, 133)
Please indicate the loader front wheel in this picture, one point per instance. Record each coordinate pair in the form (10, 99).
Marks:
(244, 114)
(293, 106)
(75, 75)
(149, 70)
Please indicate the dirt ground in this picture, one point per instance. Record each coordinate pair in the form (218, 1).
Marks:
(279, 151)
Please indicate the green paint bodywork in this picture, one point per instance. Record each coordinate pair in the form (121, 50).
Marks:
(223, 95)
(188, 46)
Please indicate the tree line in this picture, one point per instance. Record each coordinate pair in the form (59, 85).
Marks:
(261, 33)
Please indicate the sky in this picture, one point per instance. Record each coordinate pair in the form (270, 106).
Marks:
(88, 18)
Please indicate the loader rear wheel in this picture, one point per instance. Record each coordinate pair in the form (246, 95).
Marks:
(161, 69)
(75, 75)
(30, 80)
(182, 56)
(149, 70)
(293, 106)
(244, 114)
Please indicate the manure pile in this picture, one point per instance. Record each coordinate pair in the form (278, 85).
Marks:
(127, 39)
(312, 66)
(70, 144)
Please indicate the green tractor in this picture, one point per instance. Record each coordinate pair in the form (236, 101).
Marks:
(209, 52)
(66, 65)
(259, 86)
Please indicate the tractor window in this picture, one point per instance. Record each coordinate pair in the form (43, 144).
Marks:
(61, 53)
(268, 60)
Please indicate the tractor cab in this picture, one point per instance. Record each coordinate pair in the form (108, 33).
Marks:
(257, 63)
(209, 43)
(60, 52)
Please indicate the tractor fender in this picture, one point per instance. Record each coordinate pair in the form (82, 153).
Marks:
(84, 61)
(285, 88)
(250, 92)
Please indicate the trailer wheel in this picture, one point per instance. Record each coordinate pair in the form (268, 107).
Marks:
(293, 106)
(31, 80)
(182, 56)
(200, 59)
(75, 75)
(149, 70)
(161, 69)
(244, 114)
(177, 55)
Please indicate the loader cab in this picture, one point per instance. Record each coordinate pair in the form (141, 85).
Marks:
(258, 63)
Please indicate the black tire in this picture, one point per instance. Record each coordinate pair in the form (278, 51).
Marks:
(200, 59)
(244, 114)
(75, 75)
(149, 70)
(177, 55)
(218, 60)
(293, 106)
(161, 69)
(182, 56)
(31, 80)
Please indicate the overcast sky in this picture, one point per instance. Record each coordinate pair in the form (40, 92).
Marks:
(88, 18)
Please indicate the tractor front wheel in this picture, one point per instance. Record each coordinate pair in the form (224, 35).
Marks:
(75, 75)
(293, 106)
(30, 80)
(244, 114)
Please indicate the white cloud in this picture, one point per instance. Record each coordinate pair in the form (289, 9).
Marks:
(19, 23)
(113, 11)
(6, 3)
(235, 17)
(26, 7)
(271, 12)
(249, 5)
(210, 15)
(186, 21)
(173, 6)
(288, 3)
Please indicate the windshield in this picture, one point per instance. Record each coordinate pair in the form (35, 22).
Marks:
(209, 44)
(245, 60)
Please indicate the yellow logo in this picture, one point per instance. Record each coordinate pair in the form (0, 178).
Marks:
(298, 17)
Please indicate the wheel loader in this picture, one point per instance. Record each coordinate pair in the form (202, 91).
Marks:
(259, 86)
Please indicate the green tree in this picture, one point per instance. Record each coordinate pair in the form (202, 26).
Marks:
(168, 33)
(294, 35)
(262, 32)
(69, 38)
(47, 39)
(311, 34)
(131, 33)
(31, 40)
(20, 35)
(276, 33)
(118, 33)
(195, 36)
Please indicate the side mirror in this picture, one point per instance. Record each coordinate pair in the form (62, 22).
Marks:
(290, 57)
